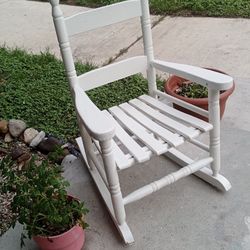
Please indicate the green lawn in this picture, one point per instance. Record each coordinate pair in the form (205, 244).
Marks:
(221, 8)
(34, 88)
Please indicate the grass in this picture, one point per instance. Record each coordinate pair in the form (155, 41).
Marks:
(218, 8)
(34, 88)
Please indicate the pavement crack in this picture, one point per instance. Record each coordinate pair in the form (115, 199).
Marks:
(125, 50)
(156, 22)
(121, 52)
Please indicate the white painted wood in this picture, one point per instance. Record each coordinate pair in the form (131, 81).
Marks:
(134, 148)
(90, 154)
(166, 180)
(103, 16)
(112, 72)
(98, 125)
(165, 109)
(214, 118)
(63, 40)
(124, 230)
(139, 131)
(87, 141)
(209, 78)
(220, 182)
(113, 181)
(187, 132)
(143, 120)
(171, 138)
(148, 46)
(101, 173)
(122, 161)
(182, 103)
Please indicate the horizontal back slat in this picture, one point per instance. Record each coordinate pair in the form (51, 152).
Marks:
(103, 16)
(112, 72)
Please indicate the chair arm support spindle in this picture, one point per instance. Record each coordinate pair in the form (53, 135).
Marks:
(214, 119)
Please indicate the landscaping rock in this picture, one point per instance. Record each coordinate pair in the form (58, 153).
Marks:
(16, 127)
(3, 127)
(29, 134)
(48, 145)
(74, 151)
(65, 152)
(68, 159)
(66, 145)
(16, 153)
(24, 157)
(37, 139)
(8, 138)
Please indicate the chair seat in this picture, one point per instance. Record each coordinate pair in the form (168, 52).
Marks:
(146, 126)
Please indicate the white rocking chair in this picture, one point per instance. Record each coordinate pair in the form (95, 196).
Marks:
(144, 126)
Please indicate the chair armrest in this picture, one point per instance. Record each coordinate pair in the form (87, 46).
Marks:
(205, 77)
(96, 122)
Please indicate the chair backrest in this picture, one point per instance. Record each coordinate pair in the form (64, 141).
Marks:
(100, 17)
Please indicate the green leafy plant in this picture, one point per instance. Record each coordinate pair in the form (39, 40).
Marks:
(41, 201)
(36, 91)
(192, 90)
(57, 154)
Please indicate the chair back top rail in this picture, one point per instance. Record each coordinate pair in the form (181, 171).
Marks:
(112, 72)
(103, 16)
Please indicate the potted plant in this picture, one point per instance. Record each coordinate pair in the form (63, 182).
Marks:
(194, 93)
(54, 219)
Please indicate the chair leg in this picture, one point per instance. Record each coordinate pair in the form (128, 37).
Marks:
(123, 229)
(214, 119)
(113, 181)
(212, 175)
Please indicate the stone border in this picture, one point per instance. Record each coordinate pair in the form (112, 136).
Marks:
(28, 139)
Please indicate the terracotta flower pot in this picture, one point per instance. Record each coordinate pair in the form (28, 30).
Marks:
(73, 239)
(70, 240)
(174, 82)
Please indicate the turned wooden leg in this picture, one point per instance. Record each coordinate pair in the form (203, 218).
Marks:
(113, 181)
(214, 119)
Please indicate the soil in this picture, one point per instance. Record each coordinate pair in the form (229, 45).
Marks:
(6, 215)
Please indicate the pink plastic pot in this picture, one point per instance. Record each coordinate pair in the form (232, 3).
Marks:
(70, 240)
